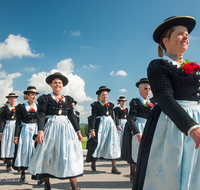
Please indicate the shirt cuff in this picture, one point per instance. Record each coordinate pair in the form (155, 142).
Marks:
(193, 127)
(78, 131)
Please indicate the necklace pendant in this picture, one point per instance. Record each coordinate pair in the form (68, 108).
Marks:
(125, 116)
(107, 113)
(59, 112)
(12, 117)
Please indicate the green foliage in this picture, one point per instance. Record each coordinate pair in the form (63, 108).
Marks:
(84, 130)
(84, 142)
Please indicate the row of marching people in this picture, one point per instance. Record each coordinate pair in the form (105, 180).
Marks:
(115, 134)
(55, 129)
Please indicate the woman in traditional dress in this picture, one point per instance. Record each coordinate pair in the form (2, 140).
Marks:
(169, 157)
(7, 130)
(59, 151)
(121, 113)
(140, 109)
(104, 129)
(26, 127)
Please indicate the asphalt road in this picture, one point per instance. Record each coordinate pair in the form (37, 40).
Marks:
(102, 179)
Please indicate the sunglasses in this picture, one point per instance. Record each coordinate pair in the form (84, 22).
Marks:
(147, 88)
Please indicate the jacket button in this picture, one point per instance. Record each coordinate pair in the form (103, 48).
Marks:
(198, 94)
(199, 89)
(199, 80)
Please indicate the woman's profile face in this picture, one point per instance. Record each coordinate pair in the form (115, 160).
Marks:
(103, 96)
(56, 85)
(178, 42)
(31, 97)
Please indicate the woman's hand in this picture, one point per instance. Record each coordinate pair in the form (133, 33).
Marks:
(119, 128)
(16, 140)
(92, 133)
(0, 136)
(195, 134)
(80, 137)
(40, 137)
(139, 137)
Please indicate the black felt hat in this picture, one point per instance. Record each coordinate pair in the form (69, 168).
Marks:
(31, 89)
(142, 80)
(75, 102)
(57, 75)
(122, 98)
(11, 95)
(102, 88)
(186, 21)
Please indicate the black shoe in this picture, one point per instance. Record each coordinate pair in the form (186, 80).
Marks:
(115, 171)
(41, 181)
(93, 168)
(23, 178)
(47, 187)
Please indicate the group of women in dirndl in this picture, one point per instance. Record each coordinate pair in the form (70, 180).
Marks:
(159, 140)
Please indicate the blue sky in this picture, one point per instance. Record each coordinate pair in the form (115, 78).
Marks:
(92, 42)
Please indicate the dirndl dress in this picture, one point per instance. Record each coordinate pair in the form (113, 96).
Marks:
(108, 146)
(25, 145)
(140, 123)
(122, 123)
(172, 151)
(60, 154)
(7, 144)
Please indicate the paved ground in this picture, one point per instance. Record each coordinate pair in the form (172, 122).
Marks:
(102, 179)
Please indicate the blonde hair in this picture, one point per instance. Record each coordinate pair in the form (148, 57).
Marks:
(161, 46)
(98, 98)
(25, 97)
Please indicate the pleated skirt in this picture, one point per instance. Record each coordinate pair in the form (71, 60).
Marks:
(60, 154)
(140, 123)
(122, 123)
(108, 146)
(7, 141)
(26, 147)
(174, 163)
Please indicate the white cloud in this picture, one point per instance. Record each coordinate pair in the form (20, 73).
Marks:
(30, 69)
(92, 66)
(75, 87)
(123, 90)
(64, 32)
(121, 73)
(193, 38)
(77, 33)
(16, 46)
(112, 73)
(7, 83)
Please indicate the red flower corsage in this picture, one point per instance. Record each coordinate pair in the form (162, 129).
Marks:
(32, 110)
(149, 105)
(124, 109)
(13, 110)
(189, 67)
(105, 104)
(59, 100)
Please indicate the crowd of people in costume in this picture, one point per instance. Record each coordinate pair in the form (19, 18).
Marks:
(159, 136)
